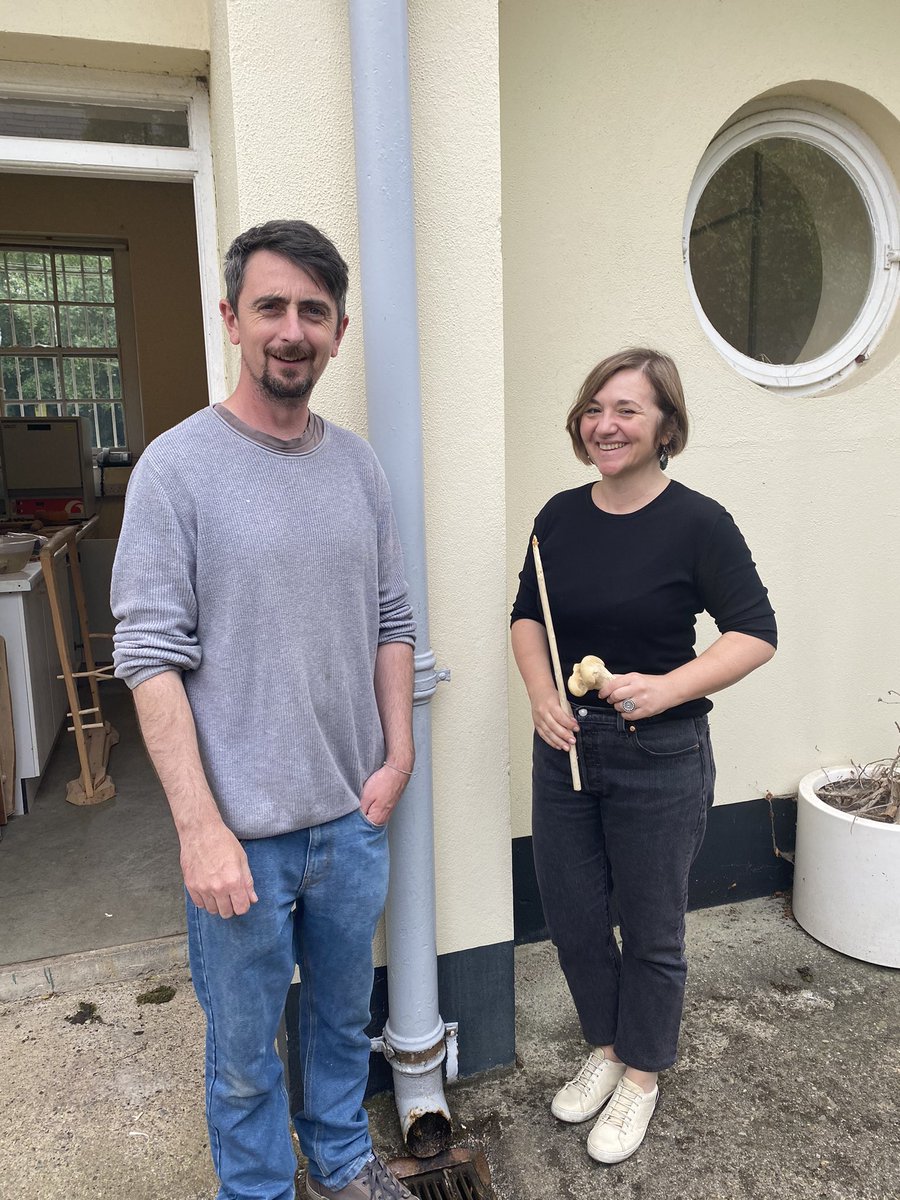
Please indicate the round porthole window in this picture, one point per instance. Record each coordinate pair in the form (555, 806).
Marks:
(791, 246)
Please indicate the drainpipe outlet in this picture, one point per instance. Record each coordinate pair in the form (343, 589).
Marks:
(419, 1086)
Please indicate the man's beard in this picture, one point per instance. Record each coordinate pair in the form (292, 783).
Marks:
(287, 393)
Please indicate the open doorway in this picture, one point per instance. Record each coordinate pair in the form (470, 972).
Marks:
(116, 261)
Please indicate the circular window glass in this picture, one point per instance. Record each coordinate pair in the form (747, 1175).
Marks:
(782, 239)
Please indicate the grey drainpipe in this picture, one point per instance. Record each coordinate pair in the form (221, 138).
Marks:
(415, 1040)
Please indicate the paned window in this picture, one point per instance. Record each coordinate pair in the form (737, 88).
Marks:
(791, 247)
(60, 337)
(72, 121)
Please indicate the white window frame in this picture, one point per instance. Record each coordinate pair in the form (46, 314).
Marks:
(125, 330)
(102, 160)
(845, 142)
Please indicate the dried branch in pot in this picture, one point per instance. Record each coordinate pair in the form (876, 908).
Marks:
(873, 792)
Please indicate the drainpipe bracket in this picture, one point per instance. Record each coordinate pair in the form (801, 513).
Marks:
(416, 1062)
(452, 1039)
(426, 677)
(419, 1060)
(425, 680)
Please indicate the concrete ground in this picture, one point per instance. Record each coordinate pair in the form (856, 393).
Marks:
(76, 878)
(787, 1085)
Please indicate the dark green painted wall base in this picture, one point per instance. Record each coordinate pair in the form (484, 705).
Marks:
(476, 988)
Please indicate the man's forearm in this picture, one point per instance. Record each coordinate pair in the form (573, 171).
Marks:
(393, 694)
(167, 726)
(216, 872)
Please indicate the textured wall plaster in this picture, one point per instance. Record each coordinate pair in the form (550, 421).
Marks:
(283, 146)
(604, 120)
(123, 35)
(164, 22)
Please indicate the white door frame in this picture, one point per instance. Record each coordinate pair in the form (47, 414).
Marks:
(100, 160)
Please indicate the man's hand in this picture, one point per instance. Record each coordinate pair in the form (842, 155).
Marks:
(380, 794)
(216, 872)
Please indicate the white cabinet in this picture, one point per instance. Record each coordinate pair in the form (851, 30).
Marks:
(38, 697)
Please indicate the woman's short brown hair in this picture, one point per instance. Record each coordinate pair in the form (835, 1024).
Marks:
(665, 381)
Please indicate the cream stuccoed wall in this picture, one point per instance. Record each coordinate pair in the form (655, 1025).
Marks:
(123, 35)
(283, 147)
(606, 110)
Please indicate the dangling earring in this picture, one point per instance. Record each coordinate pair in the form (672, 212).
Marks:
(663, 456)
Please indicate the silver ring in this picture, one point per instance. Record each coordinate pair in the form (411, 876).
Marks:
(628, 706)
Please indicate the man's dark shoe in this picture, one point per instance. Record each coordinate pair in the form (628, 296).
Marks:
(374, 1182)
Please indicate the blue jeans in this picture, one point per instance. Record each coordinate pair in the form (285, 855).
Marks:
(321, 892)
(627, 840)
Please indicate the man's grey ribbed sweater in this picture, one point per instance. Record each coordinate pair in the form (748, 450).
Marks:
(269, 579)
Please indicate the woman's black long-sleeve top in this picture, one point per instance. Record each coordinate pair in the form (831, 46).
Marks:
(628, 587)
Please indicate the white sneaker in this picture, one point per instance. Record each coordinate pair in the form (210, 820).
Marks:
(583, 1097)
(623, 1123)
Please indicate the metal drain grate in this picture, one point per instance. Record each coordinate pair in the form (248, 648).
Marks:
(452, 1183)
(456, 1175)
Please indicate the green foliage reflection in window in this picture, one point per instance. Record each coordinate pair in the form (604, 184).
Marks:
(52, 303)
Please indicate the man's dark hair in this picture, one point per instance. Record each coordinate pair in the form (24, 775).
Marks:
(300, 243)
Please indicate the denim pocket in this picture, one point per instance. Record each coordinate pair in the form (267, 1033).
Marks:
(668, 739)
(371, 824)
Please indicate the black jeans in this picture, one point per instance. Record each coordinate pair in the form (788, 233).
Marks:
(628, 838)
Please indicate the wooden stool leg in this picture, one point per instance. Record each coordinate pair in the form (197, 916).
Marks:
(7, 741)
(48, 566)
(93, 740)
(81, 609)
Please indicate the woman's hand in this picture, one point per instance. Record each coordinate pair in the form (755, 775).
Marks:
(650, 694)
(728, 659)
(551, 721)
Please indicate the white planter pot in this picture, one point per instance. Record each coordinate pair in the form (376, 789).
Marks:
(846, 876)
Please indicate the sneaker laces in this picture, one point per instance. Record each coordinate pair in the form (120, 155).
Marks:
(384, 1183)
(622, 1107)
(587, 1074)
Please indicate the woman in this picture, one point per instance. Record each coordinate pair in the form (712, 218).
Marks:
(629, 561)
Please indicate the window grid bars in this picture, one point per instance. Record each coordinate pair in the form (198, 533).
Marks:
(67, 401)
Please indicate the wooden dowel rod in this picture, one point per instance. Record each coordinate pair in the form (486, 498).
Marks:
(554, 657)
(97, 673)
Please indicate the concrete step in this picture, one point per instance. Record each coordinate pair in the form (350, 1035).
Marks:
(110, 964)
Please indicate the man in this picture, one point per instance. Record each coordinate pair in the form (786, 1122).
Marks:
(265, 631)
